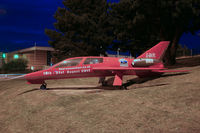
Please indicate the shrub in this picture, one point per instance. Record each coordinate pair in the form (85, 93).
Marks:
(17, 65)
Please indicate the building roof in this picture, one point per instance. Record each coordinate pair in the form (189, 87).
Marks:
(31, 49)
(110, 52)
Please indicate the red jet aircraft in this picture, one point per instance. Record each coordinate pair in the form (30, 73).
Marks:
(148, 64)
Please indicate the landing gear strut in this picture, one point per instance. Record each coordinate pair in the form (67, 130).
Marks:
(43, 86)
(123, 87)
(102, 81)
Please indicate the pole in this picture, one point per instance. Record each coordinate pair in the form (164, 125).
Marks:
(34, 64)
(118, 50)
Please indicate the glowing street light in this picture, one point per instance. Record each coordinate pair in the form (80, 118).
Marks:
(4, 55)
(16, 56)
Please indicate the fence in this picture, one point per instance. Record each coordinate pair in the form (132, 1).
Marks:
(10, 75)
(188, 52)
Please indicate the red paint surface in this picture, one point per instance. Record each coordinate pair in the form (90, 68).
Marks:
(111, 66)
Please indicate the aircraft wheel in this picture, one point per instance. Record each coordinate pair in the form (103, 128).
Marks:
(43, 86)
(104, 83)
(124, 88)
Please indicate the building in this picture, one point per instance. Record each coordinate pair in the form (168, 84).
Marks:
(2, 58)
(118, 54)
(38, 57)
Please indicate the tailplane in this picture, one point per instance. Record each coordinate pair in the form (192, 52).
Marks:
(156, 52)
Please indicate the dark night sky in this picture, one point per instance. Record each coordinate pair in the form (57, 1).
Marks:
(22, 22)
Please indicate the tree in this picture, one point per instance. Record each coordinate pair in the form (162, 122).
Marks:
(82, 28)
(183, 51)
(130, 29)
(153, 21)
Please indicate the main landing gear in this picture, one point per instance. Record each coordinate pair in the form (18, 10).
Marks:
(103, 81)
(43, 86)
(123, 87)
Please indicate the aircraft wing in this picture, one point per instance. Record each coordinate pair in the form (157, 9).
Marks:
(119, 70)
(161, 70)
(125, 68)
(165, 71)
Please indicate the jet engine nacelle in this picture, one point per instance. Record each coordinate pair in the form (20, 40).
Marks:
(144, 62)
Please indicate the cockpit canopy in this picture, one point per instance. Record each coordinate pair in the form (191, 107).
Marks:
(77, 61)
(68, 63)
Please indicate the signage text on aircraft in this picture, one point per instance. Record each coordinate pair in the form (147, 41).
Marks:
(150, 55)
(72, 70)
(123, 62)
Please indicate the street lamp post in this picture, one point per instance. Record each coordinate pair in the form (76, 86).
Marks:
(34, 62)
(118, 52)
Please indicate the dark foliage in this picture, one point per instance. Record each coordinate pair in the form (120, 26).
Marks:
(18, 65)
(88, 27)
(82, 28)
(183, 51)
(150, 21)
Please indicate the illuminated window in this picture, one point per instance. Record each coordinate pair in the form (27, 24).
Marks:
(4, 55)
(32, 68)
(68, 63)
(16, 56)
(93, 61)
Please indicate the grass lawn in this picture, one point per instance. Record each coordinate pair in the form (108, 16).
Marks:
(169, 104)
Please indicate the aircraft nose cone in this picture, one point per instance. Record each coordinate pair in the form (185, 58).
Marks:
(28, 76)
(34, 75)
(35, 78)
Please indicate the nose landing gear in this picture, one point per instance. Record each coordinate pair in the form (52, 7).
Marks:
(43, 86)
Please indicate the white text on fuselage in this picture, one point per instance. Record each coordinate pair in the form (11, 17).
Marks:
(73, 70)
(150, 55)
